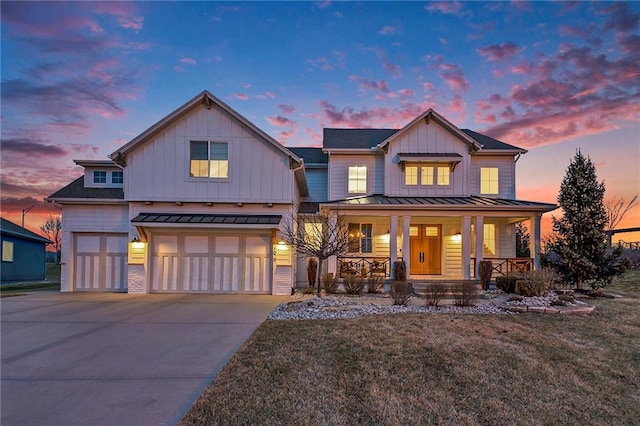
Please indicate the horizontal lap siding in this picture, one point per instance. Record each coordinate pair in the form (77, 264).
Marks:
(506, 175)
(159, 169)
(339, 174)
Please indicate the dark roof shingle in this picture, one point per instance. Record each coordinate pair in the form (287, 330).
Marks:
(10, 228)
(76, 189)
(487, 142)
(354, 138)
(310, 155)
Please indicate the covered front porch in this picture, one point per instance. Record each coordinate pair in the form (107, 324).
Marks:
(439, 238)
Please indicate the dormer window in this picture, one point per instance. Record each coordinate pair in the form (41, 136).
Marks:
(99, 176)
(427, 175)
(117, 177)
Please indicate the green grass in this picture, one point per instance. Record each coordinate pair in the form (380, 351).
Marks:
(52, 282)
(437, 369)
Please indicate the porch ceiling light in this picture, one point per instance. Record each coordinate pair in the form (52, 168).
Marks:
(457, 236)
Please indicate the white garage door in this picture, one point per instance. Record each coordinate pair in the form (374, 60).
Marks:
(100, 262)
(211, 264)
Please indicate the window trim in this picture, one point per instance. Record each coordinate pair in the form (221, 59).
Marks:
(361, 238)
(357, 180)
(119, 173)
(489, 181)
(7, 251)
(209, 142)
(420, 174)
(102, 173)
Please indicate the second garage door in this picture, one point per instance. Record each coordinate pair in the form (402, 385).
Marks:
(220, 263)
(100, 262)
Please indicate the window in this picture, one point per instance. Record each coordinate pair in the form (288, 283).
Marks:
(209, 159)
(489, 180)
(427, 176)
(443, 176)
(411, 175)
(117, 177)
(99, 176)
(489, 239)
(360, 238)
(357, 180)
(7, 251)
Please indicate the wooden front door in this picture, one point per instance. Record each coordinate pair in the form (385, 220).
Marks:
(425, 245)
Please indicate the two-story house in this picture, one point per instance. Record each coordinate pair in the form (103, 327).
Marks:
(196, 202)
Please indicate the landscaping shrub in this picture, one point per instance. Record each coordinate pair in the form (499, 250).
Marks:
(536, 283)
(375, 284)
(312, 270)
(434, 293)
(401, 292)
(330, 283)
(308, 290)
(353, 284)
(507, 283)
(464, 294)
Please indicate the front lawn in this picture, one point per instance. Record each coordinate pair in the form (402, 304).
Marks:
(437, 369)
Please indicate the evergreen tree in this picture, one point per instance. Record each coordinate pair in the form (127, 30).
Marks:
(522, 240)
(580, 237)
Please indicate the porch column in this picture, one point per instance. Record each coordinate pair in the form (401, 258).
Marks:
(466, 247)
(534, 240)
(479, 244)
(406, 221)
(393, 243)
(332, 261)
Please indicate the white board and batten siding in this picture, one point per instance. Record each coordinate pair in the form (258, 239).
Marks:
(94, 247)
(158, 169)
(339, 174)
(506, 175)
(211, 263)
(426, 139)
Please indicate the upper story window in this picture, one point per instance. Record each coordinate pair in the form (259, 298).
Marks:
(99, 176)
(117, 177)
(427, 175)
(209, 159)
(7, 251)
(360, 238)
(357, 180)
(489, 180)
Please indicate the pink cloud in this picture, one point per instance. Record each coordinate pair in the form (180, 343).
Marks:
(325, 63)
(376, 86)
(280, 121)
(445, 7)
(499, 52)
(351, 117)
(287, 109)
(241, 96)
(389, 30)
(189, 61)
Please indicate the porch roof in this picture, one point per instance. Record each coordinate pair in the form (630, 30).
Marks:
(472, 202)
(206, 219)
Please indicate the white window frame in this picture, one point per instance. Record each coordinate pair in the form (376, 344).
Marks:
(7, 251)
(100, 173)
(427, 179)
(219, 163)
(357, 179)
(117, 173)
(489, 180)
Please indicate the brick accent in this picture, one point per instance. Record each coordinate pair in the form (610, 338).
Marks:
(136, 279)
(282, 281)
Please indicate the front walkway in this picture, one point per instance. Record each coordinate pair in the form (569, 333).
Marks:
(117, 359)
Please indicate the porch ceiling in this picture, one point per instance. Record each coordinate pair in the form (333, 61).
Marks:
(438, 203)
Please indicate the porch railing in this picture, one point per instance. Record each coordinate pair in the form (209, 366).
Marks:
(505, 265)
(364, 266)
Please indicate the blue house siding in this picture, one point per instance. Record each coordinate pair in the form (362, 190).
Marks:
(28, 261)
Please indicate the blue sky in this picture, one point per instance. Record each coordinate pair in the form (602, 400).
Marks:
(80, 79)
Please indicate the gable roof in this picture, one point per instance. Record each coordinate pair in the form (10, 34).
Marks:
(77, 190)
(310, 155)
(354, 138)
(206, 99)
(427, 116)
(9, 228)
(489, 143)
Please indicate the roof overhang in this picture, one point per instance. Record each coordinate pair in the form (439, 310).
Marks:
(451, 159)
(179, 220)
(358, 151)
(95, 163)
(92, 201)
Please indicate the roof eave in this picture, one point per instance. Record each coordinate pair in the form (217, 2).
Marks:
(107, 201)
(500, 152)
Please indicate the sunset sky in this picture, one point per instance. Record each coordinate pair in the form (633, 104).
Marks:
(79, 79)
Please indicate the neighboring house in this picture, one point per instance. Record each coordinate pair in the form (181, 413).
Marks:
(206, 192)
(23, 253)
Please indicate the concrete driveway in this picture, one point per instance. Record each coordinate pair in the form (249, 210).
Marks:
(117, 359)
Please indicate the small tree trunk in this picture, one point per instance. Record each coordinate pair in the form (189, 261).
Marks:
(320, 260)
